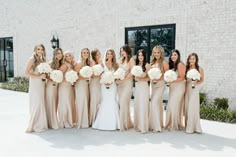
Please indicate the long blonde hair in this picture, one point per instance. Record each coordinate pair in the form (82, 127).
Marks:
(114, 63)
(38, 59)
(161, 59)
(87, 61)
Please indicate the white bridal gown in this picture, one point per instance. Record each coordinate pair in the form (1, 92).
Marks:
(108, 111)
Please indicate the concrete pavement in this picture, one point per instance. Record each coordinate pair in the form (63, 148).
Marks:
(218, 138)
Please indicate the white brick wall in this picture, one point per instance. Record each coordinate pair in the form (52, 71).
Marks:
(203, 26)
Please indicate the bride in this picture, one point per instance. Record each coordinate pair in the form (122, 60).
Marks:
(108, 111)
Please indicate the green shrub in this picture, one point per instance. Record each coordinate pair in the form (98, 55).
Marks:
(221, 103)
(17, 84)
(211, 112)
(203, 98)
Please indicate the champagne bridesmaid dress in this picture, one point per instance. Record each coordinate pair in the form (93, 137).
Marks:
(38, 119)
(124, 96)
(174, 112)
(192, 109)
(95, 98)
(82, 103)
(141, 106)
(156, 109)
(51, 104)
(66, 103)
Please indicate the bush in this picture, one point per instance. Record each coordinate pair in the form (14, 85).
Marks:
(17, 84)
(211, 112)
(221, 103)
(203, 98)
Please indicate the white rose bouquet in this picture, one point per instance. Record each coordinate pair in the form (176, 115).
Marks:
(97, 69)
(86, 71)
(44, 68)
(170, 76)
(119, 74)
(194, 75)
(154, 73)
(56, 76)
(107, 78)
(71, 76)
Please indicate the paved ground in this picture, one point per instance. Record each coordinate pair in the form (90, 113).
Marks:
(218, 139)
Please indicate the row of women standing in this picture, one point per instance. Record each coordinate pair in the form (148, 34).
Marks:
(65, 107)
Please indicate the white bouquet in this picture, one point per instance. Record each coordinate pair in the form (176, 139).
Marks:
(194, 75)
(170, 76)
(119, 74)
(154, 73)
(56, 76)
(137, 71)
(44, 68)
(107, 78)
(71, 76)
(97, 69)
(86, 71)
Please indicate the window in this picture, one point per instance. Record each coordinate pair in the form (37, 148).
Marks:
(6, 58)
(147, 37)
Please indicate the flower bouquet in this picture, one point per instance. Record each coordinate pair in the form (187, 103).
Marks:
(170, 76)
(154, 73)
(44, 68)
(107, 78)
(194, 75)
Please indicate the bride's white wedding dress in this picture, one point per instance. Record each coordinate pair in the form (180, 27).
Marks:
(108, 111)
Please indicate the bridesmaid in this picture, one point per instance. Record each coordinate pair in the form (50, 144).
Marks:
(52, 91)
(174, 113)
(192, 103)
(141, 96)
(158, 87)
(126, 62)
(38, 119)
(82, 91)
(95, 87)
(66, 101)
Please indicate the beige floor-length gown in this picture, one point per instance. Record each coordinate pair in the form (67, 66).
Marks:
(124, 96)
(95, 98)
(66, 103)
(192, 108)
(82, 103)
(174, 112)
(141, 106)
(38, 119)
(156, 107)
(51, 104)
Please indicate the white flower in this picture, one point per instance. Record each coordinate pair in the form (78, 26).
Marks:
(154, 73)
(107, 78)
(170, 76)
(86, 71)
(97, 69)
(119, 74)
(44, 68)
(137, 71)
(193, 74)
(56, 76)
(71, 76)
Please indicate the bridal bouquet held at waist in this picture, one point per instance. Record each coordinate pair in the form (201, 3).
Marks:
(44, 68)
(170, 76)
(154, 74)
(194, 75)
(107, 78)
